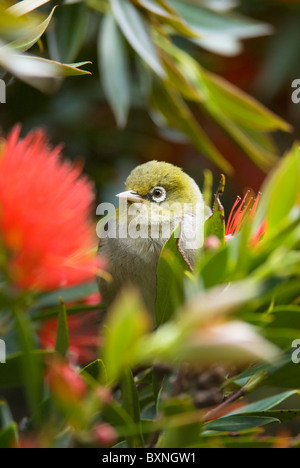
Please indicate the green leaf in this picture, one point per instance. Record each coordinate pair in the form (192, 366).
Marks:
(127, 321)
(36, 71)
(169, 102)
(71, 25)
(195, 336)
(255, 414)
(9, 437)
(207, 187)
(267, 370)
(115, 74)
(286, 376)
(72, 294)
(215, 224)
(175, 434)
(13, 26)
(281, 325)
(279, 193)
(283, 316)
(136, 31)
(97, 370)
(116, 415)
(130, 400)
(62, 331)
(239, 106)
(282, 415)
(250, 140)
(30, 362)
(47, 313)
(169, 16)
(6, 417)
(25, 6)
(27, 40)
(212, 267)
(178, 79)
(241, 116)
(263, 405)
(170, 272)
(206, 21)
(239, 423)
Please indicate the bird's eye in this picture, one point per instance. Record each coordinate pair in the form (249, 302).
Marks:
(158, 194)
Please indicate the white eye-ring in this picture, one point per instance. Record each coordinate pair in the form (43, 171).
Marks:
(158, 194)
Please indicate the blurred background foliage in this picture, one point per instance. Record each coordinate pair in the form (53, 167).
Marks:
(113, 118)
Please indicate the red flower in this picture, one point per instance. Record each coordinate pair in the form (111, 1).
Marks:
(65, 382)
(45, 207)
(240, 212)
(84, 337)
(105, 435)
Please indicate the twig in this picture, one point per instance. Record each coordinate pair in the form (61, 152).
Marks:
(252, 384)
(233, 397)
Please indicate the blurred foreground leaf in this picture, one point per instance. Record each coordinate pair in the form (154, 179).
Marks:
(170, 273)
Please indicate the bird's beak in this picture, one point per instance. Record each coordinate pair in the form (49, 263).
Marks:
(130, 195)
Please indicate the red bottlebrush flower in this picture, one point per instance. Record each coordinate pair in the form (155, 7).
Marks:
(84, 338)
(105, 435)
(65, 383)
(240, 212)
(45, 207)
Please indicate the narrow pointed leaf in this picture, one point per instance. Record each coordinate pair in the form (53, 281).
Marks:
(96, 369)
(71, 25)
(207, 21)
(237, 424)
(25, 6)
(215, 224)
(239, 106)
(169, 16)
(62, 332)
(170, 274)
(248, 140)
(9, 437)
(264, 404)
(176, 111)
(131, 405)
(136, 31)
(115, 74)
(127, 321)
(280, 192)
(30, 362)
(29, 39)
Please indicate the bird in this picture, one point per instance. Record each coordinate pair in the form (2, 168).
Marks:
(158, 197)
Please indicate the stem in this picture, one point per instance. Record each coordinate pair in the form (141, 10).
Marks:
(31, 365)
(212, 414)
(251, 385)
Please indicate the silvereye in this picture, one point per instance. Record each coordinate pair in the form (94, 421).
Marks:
(158, 197)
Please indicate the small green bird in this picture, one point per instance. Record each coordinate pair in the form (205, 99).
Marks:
(158, 197)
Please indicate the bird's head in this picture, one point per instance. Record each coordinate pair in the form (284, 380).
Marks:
(163, 185)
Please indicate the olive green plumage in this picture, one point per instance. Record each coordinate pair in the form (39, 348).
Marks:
(179, 186)
(153, 187)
